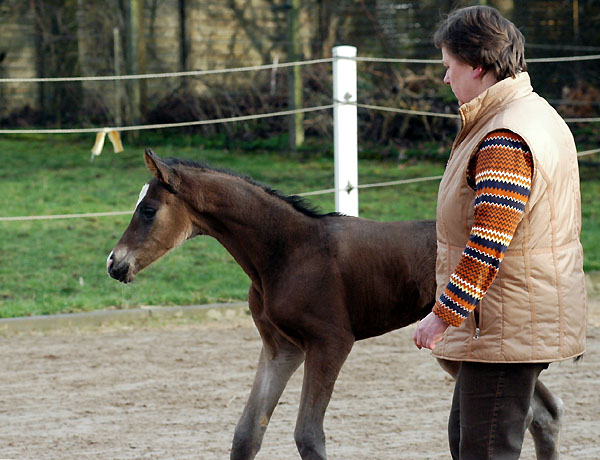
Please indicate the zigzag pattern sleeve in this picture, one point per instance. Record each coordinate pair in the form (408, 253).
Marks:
(501, 171)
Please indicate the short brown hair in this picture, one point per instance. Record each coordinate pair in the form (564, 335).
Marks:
(482, 37)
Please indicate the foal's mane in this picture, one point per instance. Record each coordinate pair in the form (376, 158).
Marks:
(298, 203)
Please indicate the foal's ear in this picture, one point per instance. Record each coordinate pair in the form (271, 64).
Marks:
(161, 170)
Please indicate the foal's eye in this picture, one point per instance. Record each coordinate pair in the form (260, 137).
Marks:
(148, 213)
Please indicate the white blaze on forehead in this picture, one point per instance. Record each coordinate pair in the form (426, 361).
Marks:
(142, 194)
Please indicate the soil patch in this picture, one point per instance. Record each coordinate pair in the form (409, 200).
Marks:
(176, 388)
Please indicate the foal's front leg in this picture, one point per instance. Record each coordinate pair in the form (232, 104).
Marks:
(275, 367)
(324, 360)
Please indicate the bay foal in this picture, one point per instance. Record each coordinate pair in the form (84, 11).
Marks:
(319, 282)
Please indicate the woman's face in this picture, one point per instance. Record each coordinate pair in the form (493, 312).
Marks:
(464, 80)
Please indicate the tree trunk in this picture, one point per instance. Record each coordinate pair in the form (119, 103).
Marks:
(57, 55)
(296, 122)
(135, 61)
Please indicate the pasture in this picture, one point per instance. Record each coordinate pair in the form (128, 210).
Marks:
(58, 266)
(61, 263)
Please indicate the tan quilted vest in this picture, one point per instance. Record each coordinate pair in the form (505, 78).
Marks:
(536, 308)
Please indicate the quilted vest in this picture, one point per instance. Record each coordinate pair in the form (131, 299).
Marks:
(536, 308)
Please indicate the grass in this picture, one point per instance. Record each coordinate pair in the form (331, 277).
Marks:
(58, 266)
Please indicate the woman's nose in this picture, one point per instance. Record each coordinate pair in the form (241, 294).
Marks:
(446, 78)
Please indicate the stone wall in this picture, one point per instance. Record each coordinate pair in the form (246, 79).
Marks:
(17, 47)
(218, 34)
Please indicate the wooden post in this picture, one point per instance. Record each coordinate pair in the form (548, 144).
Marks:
(141, 53)
(183, 38)
(117, 70)
(132, 61)
(576, 20)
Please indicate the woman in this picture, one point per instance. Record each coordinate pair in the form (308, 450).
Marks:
(511, 289)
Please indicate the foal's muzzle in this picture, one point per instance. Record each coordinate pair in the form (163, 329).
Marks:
(121, 271)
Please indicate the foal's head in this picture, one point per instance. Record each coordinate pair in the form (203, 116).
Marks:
(160, 222)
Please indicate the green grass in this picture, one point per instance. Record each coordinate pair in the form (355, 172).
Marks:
(58, 266)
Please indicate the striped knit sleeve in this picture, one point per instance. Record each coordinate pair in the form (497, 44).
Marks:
(501, 171)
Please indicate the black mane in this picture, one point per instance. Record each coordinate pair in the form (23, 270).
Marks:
(298, 202)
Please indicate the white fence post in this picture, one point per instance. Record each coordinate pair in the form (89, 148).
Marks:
(345, 130)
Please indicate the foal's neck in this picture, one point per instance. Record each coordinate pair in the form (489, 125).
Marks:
(257, 227)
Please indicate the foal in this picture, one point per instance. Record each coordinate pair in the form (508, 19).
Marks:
(319, 282)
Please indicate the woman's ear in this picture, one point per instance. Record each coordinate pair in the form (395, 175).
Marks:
(477, 72)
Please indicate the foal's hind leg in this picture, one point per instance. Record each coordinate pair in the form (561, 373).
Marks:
(324, 360)
(545, 427)
(275, 367)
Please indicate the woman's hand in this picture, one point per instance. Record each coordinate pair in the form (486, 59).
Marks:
(429, 331)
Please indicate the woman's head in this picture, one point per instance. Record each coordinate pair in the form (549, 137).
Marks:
(481, 37)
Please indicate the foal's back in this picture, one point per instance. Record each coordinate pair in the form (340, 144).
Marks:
(387, 271)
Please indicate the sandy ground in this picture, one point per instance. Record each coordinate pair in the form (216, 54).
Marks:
(175, 390)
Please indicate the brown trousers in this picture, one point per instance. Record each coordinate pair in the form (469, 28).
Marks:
(489, 410)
